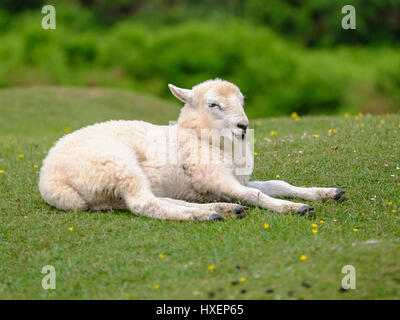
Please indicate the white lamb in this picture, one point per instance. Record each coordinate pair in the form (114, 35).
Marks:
(127, 164)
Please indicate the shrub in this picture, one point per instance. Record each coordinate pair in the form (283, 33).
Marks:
(278, 77)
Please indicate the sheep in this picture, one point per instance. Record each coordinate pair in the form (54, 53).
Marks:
(156, 171)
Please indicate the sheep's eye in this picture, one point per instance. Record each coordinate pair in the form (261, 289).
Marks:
(214, 105)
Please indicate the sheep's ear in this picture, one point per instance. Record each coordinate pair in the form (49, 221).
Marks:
(185, 95)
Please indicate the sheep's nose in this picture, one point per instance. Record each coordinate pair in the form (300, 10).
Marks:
(242, 126)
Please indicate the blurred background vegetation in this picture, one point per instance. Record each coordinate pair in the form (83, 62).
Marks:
(285, 55)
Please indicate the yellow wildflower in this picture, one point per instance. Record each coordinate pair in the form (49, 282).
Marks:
(330, 131)
(295, 116)
(316, 135)
(303, 257)
(277, 176)
(314, 225)
(360, 114)
(20, 156)
(256, 153)
(394, 211)
(242, 279)
(1, 171)
(355, 229)
(35, 166)
(266, 226)
(315, 231)
(161, 256)
(211, 267)
(361, 125)
(346, 115)
(273, 133)
(71, 228)
(390, 203)
(321, 221)
(156, 287)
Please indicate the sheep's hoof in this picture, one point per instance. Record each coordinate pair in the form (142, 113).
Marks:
(306, 209)
(215, 217)
(339, 195)
(241, 211)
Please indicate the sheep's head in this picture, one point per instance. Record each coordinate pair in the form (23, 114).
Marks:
(213, 104)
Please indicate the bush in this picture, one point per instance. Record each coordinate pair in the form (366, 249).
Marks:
(276, 76)
(309, 22)
(318, 22)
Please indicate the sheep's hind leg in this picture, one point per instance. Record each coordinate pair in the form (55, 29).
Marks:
(62, 196)
(154, 207)
(224, 208)
(137, 194)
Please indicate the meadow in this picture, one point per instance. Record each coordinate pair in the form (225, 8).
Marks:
(118, 255)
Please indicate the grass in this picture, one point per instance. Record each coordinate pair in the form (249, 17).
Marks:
(116, 255)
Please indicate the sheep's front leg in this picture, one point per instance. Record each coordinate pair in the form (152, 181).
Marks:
(278, 188)
(228, 186)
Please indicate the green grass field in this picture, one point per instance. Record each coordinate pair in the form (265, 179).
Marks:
(115, 255)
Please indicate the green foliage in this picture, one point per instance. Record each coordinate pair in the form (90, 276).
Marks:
(309, 22)
(21, 5)
(318, 22)
(277, 77)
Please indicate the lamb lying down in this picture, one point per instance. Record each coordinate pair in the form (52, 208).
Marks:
(169, 172)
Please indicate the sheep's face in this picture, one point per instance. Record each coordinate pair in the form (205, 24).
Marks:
(214, 104)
